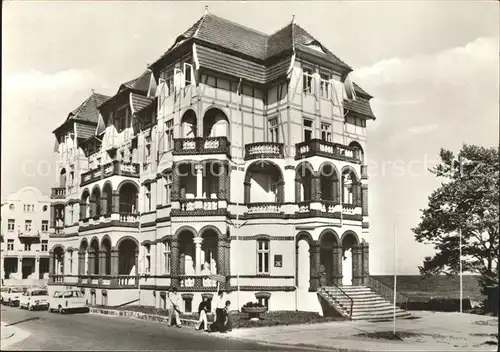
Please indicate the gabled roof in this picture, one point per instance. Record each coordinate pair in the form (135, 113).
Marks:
(139, 102)
(251, 43)
(140, 83)
(87, 111)
(361, 91)
(361, 105)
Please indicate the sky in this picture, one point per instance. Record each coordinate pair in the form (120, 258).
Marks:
(432, 67)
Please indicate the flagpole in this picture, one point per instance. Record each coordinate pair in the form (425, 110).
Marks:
(395, 283)
(461, 283)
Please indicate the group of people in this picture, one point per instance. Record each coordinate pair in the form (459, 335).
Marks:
(222, 322)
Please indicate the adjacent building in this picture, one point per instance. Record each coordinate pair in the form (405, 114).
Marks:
(25, 236)
(236, 153)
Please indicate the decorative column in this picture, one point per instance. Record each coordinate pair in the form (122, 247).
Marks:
(174, 270)
(337, 264)
(221, 270)
(336, 191)
(36, 270)
(314, 258)
(365, 260)
(90, 263)
(357, 194)
(102, 263)
(114, 266)
(81, 265)
(83, 210)
(199, 180)
(175, 183)
(281, 192)
(222, 181)
(364, 199)
(297, 189)
(115, 197)
(104, 205)
(227, 261)
(197, 242)
(315, 188)
(52, 216)
(51, 264)
(246, 195)
(356, 265)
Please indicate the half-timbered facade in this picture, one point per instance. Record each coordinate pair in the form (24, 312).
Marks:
(236, 153)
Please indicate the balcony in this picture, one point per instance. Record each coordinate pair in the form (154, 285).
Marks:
(326, 208)
(28, 234)
(263, 150)
(209, 145)
(199, 207)
(197, 282)
(58, 193)
(116, 167)
(331, 150)
(264, 210)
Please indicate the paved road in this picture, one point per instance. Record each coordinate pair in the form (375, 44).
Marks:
(53, 331)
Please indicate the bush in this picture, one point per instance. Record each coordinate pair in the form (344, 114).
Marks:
(440, 305)
(252, 305)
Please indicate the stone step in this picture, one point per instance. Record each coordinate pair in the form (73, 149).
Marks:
(379, 314)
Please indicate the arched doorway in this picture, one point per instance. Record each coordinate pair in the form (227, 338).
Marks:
(303, 182)
(128, 198)
(189, 124)
(303, 261)
(215, 123)
(328, 261)
(264, 183)
(95, 202)
(94, 257)
(187, 253)
(209, 255)
(107, 195)
(83, 258)
(329, 183)
(351, 187)
(349, 257)
(85, 205)
(62, 178)
(127, 257)
(58, 260)
(106, 249)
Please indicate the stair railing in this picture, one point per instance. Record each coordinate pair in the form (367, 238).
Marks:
(387, 292)
(343, 293)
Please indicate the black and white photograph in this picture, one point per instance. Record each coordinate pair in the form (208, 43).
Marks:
(250, 175)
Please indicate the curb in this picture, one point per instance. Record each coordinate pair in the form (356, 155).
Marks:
(139, 316)
(190, 322)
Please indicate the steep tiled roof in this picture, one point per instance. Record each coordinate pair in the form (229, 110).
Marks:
(140, 83)
(361, 105)
(251, 43)
(139, 102)
(85, 130)
(87, 111)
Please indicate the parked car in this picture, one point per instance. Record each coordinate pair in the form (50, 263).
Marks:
(34, 298)
(11, 296)
(68, 300)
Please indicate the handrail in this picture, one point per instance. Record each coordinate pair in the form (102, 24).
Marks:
(346, 295)
(387, 292)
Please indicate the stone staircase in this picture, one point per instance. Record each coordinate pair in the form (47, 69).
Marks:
(366, 303)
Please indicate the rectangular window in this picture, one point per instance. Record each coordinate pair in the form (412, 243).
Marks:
(188, 305)
(45, 245)
(121, 119)
(70, 262)
(168, 189)
(273, 130)
(27, 225)
(147, 150)
(325, 86)
(307, 80)
(70, 216)
(262, 256)
(147, 198)
(166, 256)
(45, 225)
(27, 246)
(308, 129)
(10, 245)
(326, 132)
(11, 225)
(188, 74)
(169, 135)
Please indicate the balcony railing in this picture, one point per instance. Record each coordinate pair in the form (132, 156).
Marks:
(203, 204)
(128, 217)
(58, 193)
(328, 207)
(197, 281)
(198, 145)
(264, 150)
(327, 149)
(28, 234)
(264, 208)
(116, 167)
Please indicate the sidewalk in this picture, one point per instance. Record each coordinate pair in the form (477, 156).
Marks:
(432, 332)
(10, 335)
